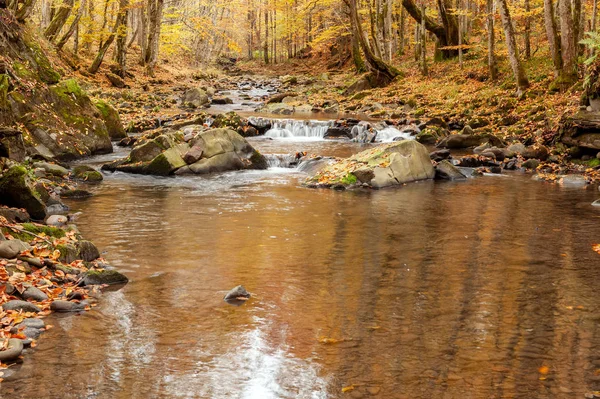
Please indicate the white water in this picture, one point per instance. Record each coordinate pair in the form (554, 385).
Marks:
(298, 130)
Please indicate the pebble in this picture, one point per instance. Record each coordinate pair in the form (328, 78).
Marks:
(21, 305)
(15, 347)
(34, 293)
(596, 203)
(57, 220)
(66, 306)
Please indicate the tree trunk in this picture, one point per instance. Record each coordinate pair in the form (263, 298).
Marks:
(155, 10)
(511, 45)
(527, 32)
(444, 37)
(74, 25)
(121, 54)
(46, 14)
(266, 42)
(423, 42)
(121, 19)
(402, 28)
(492, 66)
(382, 72)
(552, 35)
(568, 73)
(23, 12)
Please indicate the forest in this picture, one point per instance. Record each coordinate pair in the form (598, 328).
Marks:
(299, 199)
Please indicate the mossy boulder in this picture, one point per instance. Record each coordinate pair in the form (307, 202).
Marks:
(109, 277)
(87, 174)
(111, 119)
(166, 163)
(382, 166)
(17, 190)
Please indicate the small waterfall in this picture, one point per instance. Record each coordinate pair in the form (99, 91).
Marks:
(390, 134)
(298, 129)
(281, 160)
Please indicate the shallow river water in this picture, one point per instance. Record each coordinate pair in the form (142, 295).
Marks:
(480, 289)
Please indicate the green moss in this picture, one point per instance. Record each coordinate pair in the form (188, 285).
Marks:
(349, 179)
(48, 230)
(103, 107)
(45, 71)
(592, 163)
(4, 88)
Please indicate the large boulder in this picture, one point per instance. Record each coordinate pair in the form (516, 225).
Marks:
(111, 119)
(16, 189)
(387, 165)
(194, 98)
(215, 150)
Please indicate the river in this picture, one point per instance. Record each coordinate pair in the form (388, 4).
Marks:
(486, 288)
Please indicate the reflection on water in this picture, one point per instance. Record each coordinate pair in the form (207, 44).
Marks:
(433, 290)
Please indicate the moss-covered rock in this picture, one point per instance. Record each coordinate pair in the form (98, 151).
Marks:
(111, 119)
(382, 166)
(109, 277)
(16, 189)
(166, 163)
(87, 174)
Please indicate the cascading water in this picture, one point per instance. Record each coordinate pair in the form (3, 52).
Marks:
(379, 134)
(298, 129)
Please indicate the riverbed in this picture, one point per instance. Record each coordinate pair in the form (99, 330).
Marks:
(473, 289)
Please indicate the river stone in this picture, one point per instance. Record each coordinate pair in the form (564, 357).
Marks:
(16, 190)
(145, 152)
(9, 249)
(218, 163)
(392, 164)
(33, 323)
(57, 220)
(573, 181)
(446, 171)
(76, 194)
(17, 305)
(52, 169)
(166, 163)
(98, 277)
(193, 155)
(87, 174)
(13, 351)
(34, 293)
(87, 251)
(194, 98)
(457, 141)
(237, 292)
(66, 306)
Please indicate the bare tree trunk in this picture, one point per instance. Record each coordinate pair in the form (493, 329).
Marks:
(121, 54)
(266, 43)
(46, 14)
(527, 32)
(552, 35)
(493, 68)
(155, 10)
(120, 20)
(460, 36)
(568, 73)
(60, 17)
(511, 45)
(423, 42)
(23, 12)
(402, 28)
(73, 27)
(382, 72)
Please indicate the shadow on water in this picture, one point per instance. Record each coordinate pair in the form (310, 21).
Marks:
(479, 289)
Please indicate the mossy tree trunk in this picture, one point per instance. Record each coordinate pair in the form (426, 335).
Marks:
(72, 28)
(511, 45)
(60, 17)
(121, 20)
(382, 72)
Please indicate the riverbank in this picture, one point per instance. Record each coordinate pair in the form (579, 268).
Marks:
(45, 266)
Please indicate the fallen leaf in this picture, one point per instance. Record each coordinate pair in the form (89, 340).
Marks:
(348, 388)
(544, 370)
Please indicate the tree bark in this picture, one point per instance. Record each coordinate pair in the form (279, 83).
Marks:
(120, 20)
(155, 10)
(568, 73)
(552, 35)
(445, 38)
(511, 45)
(492, 66)
(73, 27)
(527, 32)
(382, 72)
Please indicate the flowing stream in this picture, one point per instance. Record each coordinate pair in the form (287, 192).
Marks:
(486, 288)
